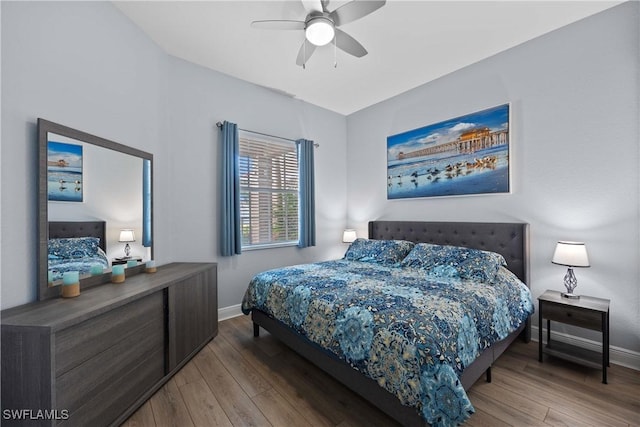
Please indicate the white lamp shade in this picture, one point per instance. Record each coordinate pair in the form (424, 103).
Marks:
(127, 236)
(349, 235)
(319, 31)
(572, 254)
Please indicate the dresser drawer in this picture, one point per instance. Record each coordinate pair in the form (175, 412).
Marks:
(574, 316)
(122, 348)
(78, 344)
(81, 383)
(107, 403)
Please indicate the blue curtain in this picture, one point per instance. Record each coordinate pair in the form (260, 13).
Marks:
(307, 194)
(230, 237)
(146, 203)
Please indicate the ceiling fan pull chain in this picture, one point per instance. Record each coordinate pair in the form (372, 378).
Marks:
(335, 52)
(304, 46)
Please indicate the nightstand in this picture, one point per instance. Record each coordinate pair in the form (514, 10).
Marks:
(585, 312)
(117, 261)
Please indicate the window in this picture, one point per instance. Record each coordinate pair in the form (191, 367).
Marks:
(268, 169)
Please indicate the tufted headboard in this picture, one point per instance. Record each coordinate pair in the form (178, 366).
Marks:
(511, 240)
(61, 229)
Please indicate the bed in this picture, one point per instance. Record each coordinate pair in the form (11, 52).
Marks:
(510, 240)
(76, 246)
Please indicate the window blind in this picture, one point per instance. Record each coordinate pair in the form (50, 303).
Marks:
(268, 191)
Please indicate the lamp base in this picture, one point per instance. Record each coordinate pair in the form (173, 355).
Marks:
(569, 295)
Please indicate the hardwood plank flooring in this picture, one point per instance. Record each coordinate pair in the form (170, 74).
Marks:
(238, 380)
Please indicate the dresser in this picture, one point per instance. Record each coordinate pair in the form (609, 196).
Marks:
(94, 359)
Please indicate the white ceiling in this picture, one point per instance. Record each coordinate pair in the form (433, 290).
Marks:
(409, 42)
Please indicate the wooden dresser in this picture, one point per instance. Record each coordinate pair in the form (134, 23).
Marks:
(94, 359)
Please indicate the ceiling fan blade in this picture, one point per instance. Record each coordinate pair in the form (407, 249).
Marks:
(312, 5)
(354, 10)
(305, 52)
(348, 44)
(278, 25)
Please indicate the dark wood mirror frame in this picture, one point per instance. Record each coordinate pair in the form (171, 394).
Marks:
(44, 127)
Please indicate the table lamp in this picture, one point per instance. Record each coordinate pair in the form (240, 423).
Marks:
(349, 235)
(571, 254)
(127, 236)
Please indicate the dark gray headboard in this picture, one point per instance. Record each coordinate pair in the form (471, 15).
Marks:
(511, 240)
(62, 229)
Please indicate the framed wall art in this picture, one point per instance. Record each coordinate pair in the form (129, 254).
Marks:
(460, 156)
(64, 172)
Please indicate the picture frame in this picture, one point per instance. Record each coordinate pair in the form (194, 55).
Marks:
(64, 171)
(466, 155)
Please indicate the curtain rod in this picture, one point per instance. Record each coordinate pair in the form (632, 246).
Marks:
(315, 144)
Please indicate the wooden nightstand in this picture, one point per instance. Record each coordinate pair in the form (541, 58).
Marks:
(586, 312)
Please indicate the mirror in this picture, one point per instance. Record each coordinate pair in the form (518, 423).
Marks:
(90, 189)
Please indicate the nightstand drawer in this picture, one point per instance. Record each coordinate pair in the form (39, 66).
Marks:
(578, 317)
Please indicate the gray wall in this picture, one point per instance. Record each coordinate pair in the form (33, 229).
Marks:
(574, 115)
(85, 65)
(80, 64)
(198, 98)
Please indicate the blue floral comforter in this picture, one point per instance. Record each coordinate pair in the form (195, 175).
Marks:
(412, 333)
(83, 265)
(74, 254)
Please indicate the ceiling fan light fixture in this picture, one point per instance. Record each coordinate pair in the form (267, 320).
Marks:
(320, 30)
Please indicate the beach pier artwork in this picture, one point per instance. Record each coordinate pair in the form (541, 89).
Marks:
(461, 156)
(64, 172)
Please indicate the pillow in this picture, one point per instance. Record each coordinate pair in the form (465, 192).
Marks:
(73, 247)
(455, 261)
(385, 252)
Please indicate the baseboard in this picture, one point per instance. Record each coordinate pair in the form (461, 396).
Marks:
(618, 355)
(229, 312)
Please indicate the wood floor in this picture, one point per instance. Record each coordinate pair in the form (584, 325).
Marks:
(237, 380)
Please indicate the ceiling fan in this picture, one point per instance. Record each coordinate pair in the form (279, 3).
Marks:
(321, 26)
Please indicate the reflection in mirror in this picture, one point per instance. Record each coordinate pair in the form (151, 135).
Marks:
(90, 189)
